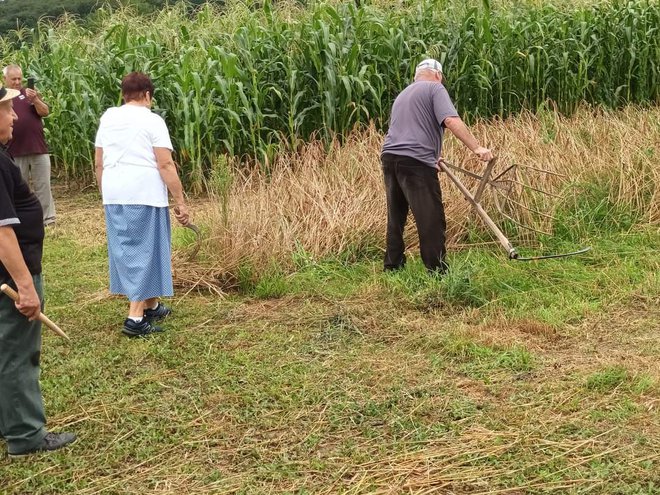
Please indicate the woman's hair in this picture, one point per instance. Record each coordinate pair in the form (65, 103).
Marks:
(135, 85)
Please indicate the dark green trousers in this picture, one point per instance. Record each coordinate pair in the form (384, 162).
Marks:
(22, 418)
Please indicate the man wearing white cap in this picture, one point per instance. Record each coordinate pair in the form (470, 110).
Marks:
(22, 418)
(409, 157)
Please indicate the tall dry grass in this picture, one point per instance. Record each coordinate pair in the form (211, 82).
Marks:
(327, 202)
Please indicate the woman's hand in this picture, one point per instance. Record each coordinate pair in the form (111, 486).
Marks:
(181, 214)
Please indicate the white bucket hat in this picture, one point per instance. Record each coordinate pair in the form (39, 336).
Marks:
(7, 94)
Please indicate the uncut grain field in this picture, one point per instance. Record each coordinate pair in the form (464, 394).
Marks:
(252, 80)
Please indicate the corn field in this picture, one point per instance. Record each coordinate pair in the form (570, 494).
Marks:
(251, 80)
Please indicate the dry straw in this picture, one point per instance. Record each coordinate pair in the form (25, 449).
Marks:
(329, 201)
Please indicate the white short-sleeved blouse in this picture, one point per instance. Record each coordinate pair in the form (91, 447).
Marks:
(128, 136)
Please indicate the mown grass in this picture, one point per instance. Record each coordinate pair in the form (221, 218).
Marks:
(504, 377)
(293, 364)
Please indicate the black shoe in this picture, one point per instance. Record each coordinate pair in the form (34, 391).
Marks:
(52, 441)
(139, 328)
(159, 313)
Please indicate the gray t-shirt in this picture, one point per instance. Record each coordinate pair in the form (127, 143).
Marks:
(416, 123)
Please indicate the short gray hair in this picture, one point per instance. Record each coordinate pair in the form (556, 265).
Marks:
(10, 67)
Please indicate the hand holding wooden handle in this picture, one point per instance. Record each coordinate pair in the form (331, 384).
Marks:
(42, 317)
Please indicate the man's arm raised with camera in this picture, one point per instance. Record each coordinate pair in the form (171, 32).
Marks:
(40, 105)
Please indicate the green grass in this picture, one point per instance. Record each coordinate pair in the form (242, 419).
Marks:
(338, 378)
(557, 292)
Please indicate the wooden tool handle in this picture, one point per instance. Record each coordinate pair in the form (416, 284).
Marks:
(42, 317)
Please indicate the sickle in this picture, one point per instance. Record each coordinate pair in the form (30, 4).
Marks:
(198, 241)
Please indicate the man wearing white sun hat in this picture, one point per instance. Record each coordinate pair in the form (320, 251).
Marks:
(410, 156)
(22, 418)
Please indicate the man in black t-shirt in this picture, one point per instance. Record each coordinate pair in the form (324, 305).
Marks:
(22, 418)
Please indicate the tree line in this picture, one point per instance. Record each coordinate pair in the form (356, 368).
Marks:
(18, 14)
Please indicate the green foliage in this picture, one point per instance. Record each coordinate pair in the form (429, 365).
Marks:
(612, 378)
(591, 209)
(251, 79)
(17, 14)
(556, 292)
(272, 284)
(480, 361)
(617, 377)
(607, 379)
(456, 288)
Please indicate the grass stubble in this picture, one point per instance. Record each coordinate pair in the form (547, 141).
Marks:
(292, 365)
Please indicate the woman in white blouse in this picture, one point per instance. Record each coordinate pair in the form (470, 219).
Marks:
(134, 171)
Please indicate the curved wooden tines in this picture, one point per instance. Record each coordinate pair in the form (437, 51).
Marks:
(506, 185)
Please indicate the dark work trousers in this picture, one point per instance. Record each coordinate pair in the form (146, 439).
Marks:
(22, 418)
(410, 184)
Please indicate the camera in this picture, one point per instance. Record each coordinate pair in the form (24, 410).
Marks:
(30, 82)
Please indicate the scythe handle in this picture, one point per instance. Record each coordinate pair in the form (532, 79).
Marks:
(511, 251)
(13, 295)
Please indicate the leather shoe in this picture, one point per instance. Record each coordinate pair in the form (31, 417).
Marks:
(52, 441)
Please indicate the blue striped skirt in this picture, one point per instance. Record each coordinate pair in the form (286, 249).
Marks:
(139, 251)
